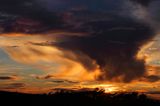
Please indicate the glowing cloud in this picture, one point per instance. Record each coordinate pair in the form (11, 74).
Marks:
(23, 51)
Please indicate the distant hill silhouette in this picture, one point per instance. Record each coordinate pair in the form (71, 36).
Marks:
(81, 98)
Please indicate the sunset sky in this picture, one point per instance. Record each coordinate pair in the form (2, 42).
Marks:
(74, 44)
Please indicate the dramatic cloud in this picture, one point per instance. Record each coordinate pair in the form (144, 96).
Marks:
(79, 41)
(114, 44)
(114, 49)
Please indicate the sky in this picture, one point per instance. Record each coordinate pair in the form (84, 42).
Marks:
(110, 44)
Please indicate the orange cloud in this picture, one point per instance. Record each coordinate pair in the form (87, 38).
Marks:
(21, 50)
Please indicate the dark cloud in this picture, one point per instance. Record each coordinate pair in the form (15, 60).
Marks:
(45, 77)
(65, 81)
(72, 82)
(94, 5)
(113, 46)
(26, 16)
(48, 77)
(5, 78)
(34, 16)
(8, 77)
(112, 42)
(58, 81)
(152, 78)
(143, 2)
(15, 86)
(26, 8)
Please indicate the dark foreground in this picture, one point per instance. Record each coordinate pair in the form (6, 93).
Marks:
(82, 98)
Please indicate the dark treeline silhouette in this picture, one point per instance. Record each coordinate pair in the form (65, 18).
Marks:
(81, 98)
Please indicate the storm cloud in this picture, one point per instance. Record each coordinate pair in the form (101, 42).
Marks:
(114, 48)
(113, 44)
(111, 41)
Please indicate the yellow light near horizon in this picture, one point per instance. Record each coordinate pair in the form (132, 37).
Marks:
(112, 89)
(108, 88)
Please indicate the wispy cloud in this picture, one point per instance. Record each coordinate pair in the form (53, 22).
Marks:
(12, 77)
(14, 86)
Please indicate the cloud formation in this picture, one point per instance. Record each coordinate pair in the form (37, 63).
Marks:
(113, 50)
(107, 50)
